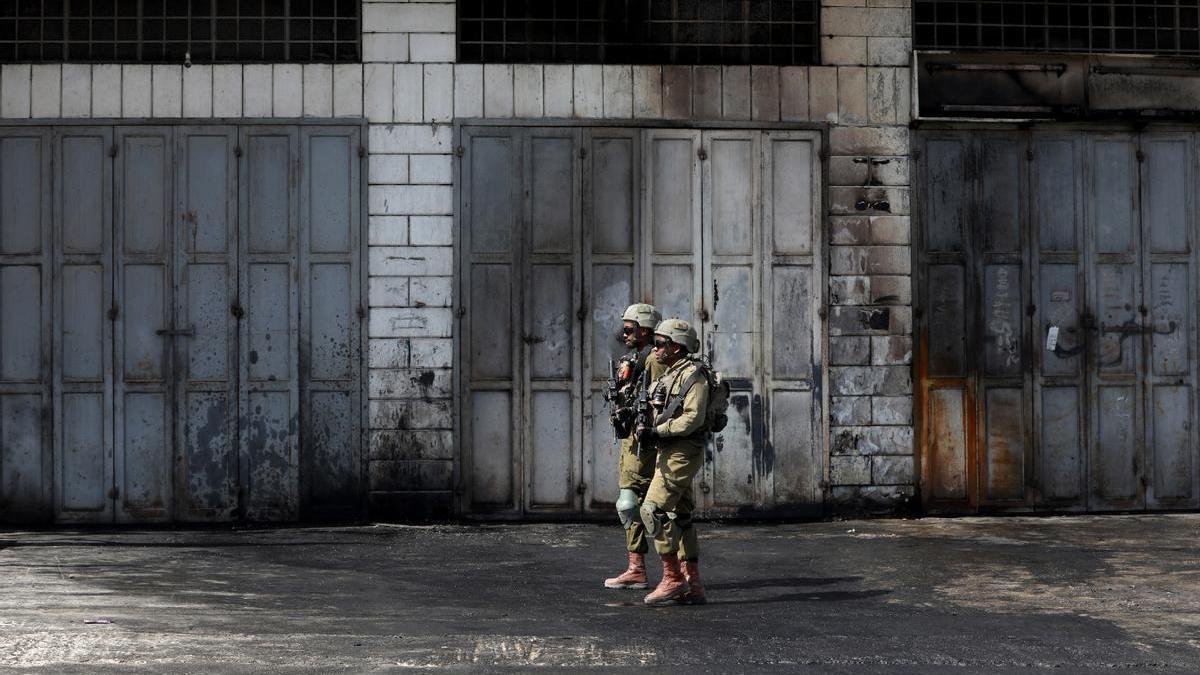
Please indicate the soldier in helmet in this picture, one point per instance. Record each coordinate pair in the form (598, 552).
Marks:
(635, 466)
(680, 398)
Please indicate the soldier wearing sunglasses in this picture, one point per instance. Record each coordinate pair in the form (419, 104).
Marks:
(635, 466)
(680, 400)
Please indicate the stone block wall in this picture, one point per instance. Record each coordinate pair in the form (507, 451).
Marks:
(410, 90)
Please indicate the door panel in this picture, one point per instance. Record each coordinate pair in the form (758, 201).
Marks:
(1116, 457)
(489, 211)
(144, 269)
(551, 344)
(83, 335)
(610, 222)
(1168, 326)
(730, 328)
(330, 343)
(25, 324)
(207, 332)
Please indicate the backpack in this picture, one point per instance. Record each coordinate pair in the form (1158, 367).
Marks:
(715, 416)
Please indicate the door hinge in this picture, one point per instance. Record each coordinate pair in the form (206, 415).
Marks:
(460, 312)
(1029, 155)
(114, 492)
(823, 312)
(362, 151)
(582, 153)
(458, 152)
(112, 150)
(581, 313)
(360, 311)
(702, 154)
(236, 310)
(1141, 156)
(581, 488)
(702, 313)
(112, 313)
(704, 487)
(237, 151)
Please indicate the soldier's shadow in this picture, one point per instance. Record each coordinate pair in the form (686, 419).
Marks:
(728, 592)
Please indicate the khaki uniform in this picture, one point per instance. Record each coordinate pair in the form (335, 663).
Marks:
(634, 472)
(680, 457)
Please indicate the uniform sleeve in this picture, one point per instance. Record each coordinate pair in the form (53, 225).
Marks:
(691, 413)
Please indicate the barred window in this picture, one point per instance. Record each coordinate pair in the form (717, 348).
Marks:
(1163, 27)
(170, 31)
(725, 32)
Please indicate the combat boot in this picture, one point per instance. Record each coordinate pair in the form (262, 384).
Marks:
(633, 577)
(672, 587)
(695, 594)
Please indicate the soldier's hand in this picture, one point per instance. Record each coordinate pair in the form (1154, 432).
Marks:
(647, 435)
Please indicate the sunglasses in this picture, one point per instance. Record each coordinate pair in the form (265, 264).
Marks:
(628, 330)
(661, 343)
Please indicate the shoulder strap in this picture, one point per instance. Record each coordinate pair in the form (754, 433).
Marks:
(677, 401)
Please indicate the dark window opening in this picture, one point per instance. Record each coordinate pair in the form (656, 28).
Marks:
(172, 31)
(1161, 27)
(686, 32)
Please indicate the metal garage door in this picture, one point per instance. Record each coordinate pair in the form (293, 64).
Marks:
(199, 290)
(1087, 237)
(560, 229)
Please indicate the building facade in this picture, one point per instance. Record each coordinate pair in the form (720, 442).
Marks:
(374, 267)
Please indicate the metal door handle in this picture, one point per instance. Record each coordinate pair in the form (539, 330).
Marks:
(189, 332)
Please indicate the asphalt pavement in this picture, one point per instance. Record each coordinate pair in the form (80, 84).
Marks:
(978, 595)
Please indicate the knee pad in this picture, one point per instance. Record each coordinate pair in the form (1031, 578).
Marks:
(627, 507)
(655, 518)
(652, 518)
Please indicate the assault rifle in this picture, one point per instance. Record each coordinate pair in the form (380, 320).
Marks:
(643, 410)
(622, 416)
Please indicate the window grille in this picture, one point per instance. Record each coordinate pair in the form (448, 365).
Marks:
(1162, 27)
(725, 32)
(169, 31)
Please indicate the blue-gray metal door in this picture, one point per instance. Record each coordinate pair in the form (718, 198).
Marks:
(144, 310)
(83, 365)
(205, 329)
(25, 323)
(192, 290)
(331, 464)
(560, 230)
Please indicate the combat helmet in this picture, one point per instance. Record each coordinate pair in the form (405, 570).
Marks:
(680, 332)
(642, 314)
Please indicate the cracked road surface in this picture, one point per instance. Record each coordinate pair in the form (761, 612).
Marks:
(987, 595)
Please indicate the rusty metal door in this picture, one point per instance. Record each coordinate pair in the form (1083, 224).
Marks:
(1056, 352)
(25, 324)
